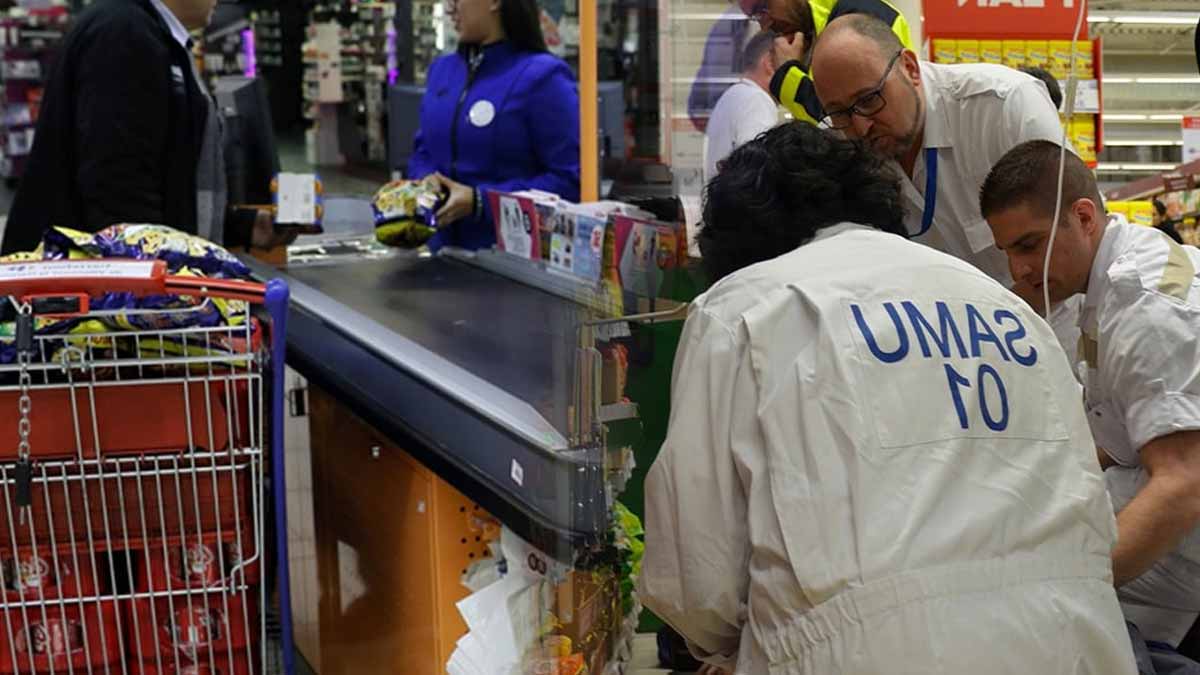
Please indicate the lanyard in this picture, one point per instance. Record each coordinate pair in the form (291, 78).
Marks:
(931, 162)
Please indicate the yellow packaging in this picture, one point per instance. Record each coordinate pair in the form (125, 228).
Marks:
(1083, 136)
(1084, 68)
(991, 51)
(1141, 213)
(945, 51)
(1060, 59)
(968, 51)
(1014, 53)
(1118, 207)
(1037, 53)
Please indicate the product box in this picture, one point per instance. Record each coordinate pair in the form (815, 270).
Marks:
(968, 51)
(1060, 59)
(1083, 136)
(1115, 207)
(945, 51)
(1084, 68)
(1141, 213)
(1037, 53)
(991, 51)
(1014, 53)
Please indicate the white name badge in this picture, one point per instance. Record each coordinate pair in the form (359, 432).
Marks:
(482, 113)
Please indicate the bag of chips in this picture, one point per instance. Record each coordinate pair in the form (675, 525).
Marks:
(404, 212)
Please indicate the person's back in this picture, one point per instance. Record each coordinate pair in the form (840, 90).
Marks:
(119, 131)
(876, 462)
(746, 109)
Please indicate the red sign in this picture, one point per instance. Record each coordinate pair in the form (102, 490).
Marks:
(1000, 19)
(1191, 122)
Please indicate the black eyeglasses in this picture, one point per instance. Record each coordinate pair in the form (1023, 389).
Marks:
(867, 105)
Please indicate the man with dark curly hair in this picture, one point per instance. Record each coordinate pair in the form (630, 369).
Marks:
(876, 460)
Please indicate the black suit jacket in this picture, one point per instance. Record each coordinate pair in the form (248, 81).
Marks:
(120, 131)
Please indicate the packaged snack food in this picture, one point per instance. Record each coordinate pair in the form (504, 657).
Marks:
(404, 212)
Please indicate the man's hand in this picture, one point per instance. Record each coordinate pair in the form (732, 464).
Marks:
(788, 48)
(459, 204)
(265, 236)
(1165, 510)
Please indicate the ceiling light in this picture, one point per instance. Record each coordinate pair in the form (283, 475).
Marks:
(1169, 80)
(1134, 143)
(1134, 168)
(1167, 118)
(1117, 80)
(1092, 18)
(1121, 117)
(1159, 19)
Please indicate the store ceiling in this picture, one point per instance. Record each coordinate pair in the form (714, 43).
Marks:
(1150, 81)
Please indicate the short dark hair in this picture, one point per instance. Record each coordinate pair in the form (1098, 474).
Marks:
(774, 193)
(869, 27)
(1159, 206)
(756, 46)
(1056, 95)
(1028, 174)
(522, 22)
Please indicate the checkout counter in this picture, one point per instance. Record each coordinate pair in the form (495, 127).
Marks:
(447, 396)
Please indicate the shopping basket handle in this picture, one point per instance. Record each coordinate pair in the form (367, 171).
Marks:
(92, 278)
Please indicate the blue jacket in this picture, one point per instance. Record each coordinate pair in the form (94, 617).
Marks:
(532, 142)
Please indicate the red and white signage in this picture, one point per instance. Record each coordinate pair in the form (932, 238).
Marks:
(1191, 139)
(1002, 18)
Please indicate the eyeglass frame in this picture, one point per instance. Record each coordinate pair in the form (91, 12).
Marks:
(853, 109)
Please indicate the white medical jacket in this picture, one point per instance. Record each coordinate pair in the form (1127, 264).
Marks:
(974, 114)
(1139, 360)
(877, 462)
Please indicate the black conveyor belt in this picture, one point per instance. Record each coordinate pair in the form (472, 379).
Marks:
(469, 371)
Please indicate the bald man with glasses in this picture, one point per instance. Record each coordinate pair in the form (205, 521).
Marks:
(944, 127)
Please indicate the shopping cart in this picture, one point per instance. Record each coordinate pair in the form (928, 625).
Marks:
(134, 529)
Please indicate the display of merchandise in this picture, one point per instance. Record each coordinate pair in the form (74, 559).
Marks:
(28, 40)
(228, 50)
(1053, 56)
(366, 63)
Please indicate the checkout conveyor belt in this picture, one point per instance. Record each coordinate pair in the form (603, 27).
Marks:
(467, 370)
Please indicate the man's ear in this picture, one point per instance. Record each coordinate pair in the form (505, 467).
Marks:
(911, 66)
(1090, 215)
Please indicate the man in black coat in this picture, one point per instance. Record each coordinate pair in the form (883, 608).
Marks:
(122, 129)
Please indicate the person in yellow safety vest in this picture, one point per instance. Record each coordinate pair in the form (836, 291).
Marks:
(801, 21)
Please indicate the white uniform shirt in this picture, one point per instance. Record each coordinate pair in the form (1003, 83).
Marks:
(173, 23)
(1140, 356)
(863, 479)
(744, 111)
(975, 113)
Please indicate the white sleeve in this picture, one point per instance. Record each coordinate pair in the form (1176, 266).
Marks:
(695, 573)
(1153, 364)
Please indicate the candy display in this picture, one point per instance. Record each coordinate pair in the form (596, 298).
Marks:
(404, 212)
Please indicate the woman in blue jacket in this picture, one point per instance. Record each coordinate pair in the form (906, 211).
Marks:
(499, 114)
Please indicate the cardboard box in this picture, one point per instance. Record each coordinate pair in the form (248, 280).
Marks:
(991, 51)
(1014, 53)
(1084, 67)
(945, 51)
(1037, 53)
(968, 51)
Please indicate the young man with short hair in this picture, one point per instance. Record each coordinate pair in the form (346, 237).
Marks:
(1138, 359)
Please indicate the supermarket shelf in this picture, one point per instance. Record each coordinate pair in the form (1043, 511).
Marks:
(616, 412)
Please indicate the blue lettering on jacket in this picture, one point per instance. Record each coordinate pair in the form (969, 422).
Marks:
(981, 332)
(946, 329)
(943, 338)
(1015, 335)
(887, 357)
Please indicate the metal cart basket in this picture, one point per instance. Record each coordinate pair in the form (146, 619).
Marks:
(135, 444)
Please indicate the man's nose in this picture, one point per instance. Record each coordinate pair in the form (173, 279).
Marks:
(861, 125)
